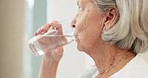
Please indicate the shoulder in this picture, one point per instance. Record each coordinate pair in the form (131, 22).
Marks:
(136, 68)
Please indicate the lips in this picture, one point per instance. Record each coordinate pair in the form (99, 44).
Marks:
(75, 34)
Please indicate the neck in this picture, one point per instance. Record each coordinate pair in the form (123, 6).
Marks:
(108, 57)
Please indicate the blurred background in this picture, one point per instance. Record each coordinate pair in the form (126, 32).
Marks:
(19, 19)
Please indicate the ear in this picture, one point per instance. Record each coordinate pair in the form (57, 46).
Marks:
(111, 17)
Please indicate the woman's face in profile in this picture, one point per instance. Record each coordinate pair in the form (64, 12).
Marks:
(88, 25)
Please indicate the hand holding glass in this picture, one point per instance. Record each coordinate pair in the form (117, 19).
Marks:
(50, 40)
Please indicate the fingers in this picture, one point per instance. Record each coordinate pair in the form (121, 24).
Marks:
(55, 25)
(42, 29)
(55, 55)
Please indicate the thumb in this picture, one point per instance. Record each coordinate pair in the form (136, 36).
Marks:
(59, 50)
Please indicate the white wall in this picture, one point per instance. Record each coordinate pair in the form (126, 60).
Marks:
(11, 38)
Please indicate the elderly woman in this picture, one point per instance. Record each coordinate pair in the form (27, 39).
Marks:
(113, 33)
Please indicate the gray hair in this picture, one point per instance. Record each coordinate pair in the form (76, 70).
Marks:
(131, 30)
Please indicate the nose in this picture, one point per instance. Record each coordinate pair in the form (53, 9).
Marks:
(73, 23)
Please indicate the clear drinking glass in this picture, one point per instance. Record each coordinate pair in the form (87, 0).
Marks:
(50, 40)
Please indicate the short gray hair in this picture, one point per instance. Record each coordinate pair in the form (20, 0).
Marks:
(131, 30)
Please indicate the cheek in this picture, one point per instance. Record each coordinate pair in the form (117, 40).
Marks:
(87, 41)
(88, 29)
(81, 33)
(87, 37)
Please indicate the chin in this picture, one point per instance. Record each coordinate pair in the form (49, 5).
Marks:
(80, 48)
